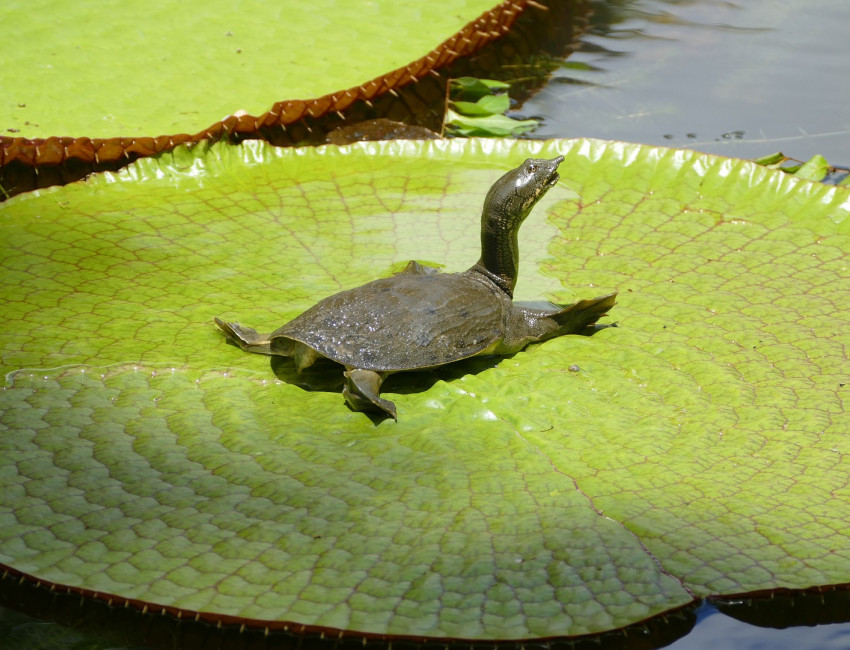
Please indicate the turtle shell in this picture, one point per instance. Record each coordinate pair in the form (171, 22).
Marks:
(406, 322)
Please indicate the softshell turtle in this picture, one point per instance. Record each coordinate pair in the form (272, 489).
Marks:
(420, 318)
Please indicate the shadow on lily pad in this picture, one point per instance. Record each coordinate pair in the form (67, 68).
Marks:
(327, 376)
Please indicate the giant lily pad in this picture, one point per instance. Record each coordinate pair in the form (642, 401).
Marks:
(701, 448)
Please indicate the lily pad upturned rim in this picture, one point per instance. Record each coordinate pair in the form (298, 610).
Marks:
(55, 150)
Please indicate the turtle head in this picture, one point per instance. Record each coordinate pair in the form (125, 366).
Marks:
(512, 197)
(508, 203)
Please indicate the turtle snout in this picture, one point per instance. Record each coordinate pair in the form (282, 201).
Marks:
(554, 177)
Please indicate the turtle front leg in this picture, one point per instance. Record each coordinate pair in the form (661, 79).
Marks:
(361, 392)
(246, 338)
(415, 268)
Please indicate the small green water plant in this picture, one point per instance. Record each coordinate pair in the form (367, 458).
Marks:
(815, 169)
(477, 107)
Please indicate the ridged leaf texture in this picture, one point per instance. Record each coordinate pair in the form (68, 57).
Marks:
(701, 447)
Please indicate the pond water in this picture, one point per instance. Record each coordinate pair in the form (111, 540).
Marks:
(732, 78)
(714, 630)
(740, 79)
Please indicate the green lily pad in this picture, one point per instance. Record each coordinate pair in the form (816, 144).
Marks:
(131, 69)
(587, 483)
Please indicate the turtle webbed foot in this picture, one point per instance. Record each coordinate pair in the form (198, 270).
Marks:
(361, 392)
(581, 317)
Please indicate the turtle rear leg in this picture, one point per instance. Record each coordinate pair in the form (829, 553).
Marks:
(361, 392)
(246, 338)
(528, 325)
(581, 317)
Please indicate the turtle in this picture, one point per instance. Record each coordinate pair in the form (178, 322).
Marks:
(421, 318)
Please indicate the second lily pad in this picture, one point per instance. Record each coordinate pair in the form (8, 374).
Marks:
(126, 68)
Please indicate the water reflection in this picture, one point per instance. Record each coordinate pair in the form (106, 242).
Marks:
(734, 78)
(715, 630)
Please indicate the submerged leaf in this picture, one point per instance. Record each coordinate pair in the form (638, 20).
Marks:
(584, 484)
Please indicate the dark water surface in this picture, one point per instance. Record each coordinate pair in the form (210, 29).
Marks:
(741, 79)
(716, 631)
